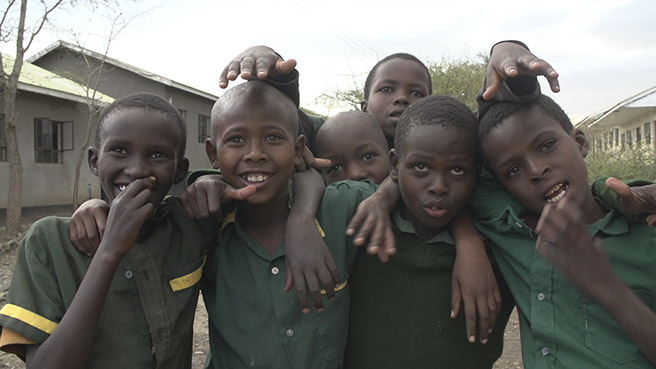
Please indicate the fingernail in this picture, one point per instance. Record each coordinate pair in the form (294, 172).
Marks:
(472, 339)
(489, 331)
(484, 341)
(452, 314)
(319, 310)
(306, 310)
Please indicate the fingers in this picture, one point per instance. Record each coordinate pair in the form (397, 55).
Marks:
(79, 240)
(651, 220)
(493, 82)
(246, 67)
(470, 317)
(282, 67)
(320, 163)
(389, 244)
(456, 298)
(484, 328)
(238, 194)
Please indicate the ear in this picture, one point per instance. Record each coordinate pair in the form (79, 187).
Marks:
(394, 165)
(363, 105)
(581, 141)
(93, 160)
(181, 170)
(299, 148)
(212, 154)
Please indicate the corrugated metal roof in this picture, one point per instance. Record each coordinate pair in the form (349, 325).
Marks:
(624, 110)
(38, 80)
(120, 64)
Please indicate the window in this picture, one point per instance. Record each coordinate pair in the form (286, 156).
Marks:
(646, 129)
(623, 140)
(629, 138)
(51, 138)
(203, 128)
(638, 132)
(617, 137)
(3, 141)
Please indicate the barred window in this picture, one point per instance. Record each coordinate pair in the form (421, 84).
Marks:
(203, 128)
(51, 139)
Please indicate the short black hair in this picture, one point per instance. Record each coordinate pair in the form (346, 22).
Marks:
(148, 101)
(502, 110)
(372, 73)
(434, 110)
(347, 118)
(251, 89)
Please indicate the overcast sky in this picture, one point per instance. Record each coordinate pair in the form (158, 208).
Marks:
(604, 50)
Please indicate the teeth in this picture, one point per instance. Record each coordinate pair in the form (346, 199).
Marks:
(559, 196)
(121, 187)
(256, 178)
(554, 189)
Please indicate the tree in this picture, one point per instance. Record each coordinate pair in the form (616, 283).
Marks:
(460, 78)
(23, 38)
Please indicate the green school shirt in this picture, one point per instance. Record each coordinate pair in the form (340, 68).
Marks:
(561, 327)
(151, 302)
(253, 323)
(400, 309)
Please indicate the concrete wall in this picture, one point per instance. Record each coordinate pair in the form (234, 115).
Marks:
(601, 137)
(46, 184)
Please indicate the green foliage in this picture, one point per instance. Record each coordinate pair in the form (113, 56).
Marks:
(632, 163)
(460, 78)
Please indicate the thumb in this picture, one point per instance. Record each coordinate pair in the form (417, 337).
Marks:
(231, 193)
(285, 66)
(620, 188)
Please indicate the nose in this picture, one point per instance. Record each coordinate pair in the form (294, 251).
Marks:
(356, 173)
(537, 169)
(138, 168)
(402, 99)
(438, 185)
(255, 152)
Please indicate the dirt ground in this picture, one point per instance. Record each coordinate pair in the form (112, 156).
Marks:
(511, 358)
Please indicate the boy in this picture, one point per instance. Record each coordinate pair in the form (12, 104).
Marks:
(253, 323)
(355, 145)
(400, 309)
(132, 305)
(595, 308)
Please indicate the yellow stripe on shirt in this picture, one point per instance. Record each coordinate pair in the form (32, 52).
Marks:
(188, 280)
(28, 317)
(339, 287)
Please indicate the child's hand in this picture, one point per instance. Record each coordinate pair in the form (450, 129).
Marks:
(373, 219)
(565, 240)
(474, 283)
(310, 265)
(309, 161)
(87, 226)
(128, 212)
(509, 60)
(257, 60)
(204, 197)
(635, 200)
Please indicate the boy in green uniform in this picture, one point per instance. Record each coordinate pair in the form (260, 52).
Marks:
(584, 302)
(253, 322)
(133, 304)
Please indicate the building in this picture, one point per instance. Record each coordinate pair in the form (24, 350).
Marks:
(51, 108)
(631, 123)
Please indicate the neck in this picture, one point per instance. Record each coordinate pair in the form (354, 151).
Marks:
(266, 223)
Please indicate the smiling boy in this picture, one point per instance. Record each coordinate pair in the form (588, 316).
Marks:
(591, 303)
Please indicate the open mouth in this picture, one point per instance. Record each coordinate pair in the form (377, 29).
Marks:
(435, 211)
(255, 177)
(396, 113)
(556, 193)
(121, 187)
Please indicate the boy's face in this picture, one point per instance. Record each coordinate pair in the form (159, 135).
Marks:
(138, 143)
(355, 152)
(435, 168)
(256, 144)
(537, 161)
(397, 84)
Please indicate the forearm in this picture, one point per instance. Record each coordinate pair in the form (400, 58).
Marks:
(387, 194)
(69, 347)
(307, 193)
(633, 315)
(465, 234)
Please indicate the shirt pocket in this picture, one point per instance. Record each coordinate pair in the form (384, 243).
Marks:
(332, 323)
(605, 336)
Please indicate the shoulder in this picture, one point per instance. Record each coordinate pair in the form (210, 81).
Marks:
(47, 231)
(206, 228)
(354, 190)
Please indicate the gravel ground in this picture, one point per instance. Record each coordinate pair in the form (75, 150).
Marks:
(511, 358)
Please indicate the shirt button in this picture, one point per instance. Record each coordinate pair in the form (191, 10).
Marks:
(289, 332)
(545, 351)
(128, 274)
(540, 296)
(275, 270)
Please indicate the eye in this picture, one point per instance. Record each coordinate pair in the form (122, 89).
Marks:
(334, 168)
(235, 139)
(458, 171)
(547, 145)
(386, 89)
(158, 155)
(272, 137)
(119, 150)
(513, 171)
(369, 156)
(417, 93)
(421, 167)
